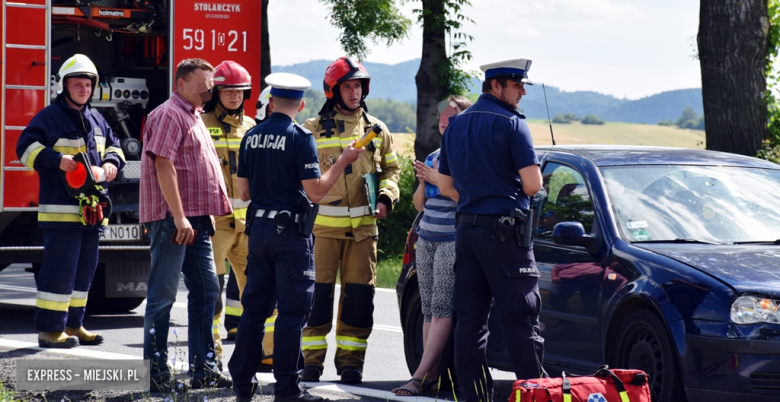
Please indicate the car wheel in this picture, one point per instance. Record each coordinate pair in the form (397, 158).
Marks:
(643, 344)
(413, 344)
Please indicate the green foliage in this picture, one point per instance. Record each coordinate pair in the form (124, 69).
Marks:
(394, 229)
(387, 271)
(398, 116)
(367, 19)
(771, 147)
(665, 122)
(591, 119)
(565, 118)
(690, 120)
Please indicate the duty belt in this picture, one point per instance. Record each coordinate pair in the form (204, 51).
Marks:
(272, 214)
(482, 221)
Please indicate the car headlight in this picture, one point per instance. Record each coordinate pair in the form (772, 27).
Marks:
(752, 310)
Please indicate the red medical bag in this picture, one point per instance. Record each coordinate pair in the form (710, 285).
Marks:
(604, 385)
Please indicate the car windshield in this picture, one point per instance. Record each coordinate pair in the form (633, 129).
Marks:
(695, 203)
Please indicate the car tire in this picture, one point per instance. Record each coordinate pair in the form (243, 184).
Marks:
(98, 303)
(413, 344)
(644, 344)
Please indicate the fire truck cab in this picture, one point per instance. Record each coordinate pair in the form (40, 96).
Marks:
(135, 45)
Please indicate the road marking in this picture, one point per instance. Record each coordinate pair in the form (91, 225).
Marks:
(19, 288)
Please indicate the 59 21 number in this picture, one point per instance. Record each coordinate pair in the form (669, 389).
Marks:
(196, 39)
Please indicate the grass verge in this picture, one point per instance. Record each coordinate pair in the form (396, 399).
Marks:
(6, 395)
(387, 271)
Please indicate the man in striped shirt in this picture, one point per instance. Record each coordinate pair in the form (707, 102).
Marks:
(182, 188)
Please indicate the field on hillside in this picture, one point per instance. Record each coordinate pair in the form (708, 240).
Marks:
(608, 134)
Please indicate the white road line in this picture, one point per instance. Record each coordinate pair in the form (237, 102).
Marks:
(19, 288)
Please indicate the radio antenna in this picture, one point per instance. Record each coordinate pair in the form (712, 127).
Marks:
(548, 113)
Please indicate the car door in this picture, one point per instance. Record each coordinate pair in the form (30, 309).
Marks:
(571, 277)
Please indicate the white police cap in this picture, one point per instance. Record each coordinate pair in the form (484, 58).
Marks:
(286, 85)
(516, 70)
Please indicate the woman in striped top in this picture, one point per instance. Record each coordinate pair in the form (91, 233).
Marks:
(435, 259)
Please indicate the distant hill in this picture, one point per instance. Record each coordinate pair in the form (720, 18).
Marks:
(397, 82)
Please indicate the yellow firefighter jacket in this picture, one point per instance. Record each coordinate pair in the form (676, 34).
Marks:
(344, 211)
(227, 132)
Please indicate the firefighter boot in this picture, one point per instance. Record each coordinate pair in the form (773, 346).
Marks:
(85, 337)
(57, 340)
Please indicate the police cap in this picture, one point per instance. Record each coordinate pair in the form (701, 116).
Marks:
(286, 85)
(515, 69)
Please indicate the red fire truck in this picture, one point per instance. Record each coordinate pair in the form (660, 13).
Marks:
(135, 45)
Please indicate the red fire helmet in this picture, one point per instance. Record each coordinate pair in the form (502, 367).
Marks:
(343, 69)
(230, 74)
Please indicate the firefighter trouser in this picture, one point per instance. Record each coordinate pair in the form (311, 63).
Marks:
(232, 245)
(356, 302)
(69, 261)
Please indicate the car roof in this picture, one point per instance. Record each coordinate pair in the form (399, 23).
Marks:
(620, 155)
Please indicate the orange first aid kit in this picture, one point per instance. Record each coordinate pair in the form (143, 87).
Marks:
(604, 385)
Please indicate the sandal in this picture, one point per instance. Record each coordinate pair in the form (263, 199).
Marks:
(419, 388)
(429, 386)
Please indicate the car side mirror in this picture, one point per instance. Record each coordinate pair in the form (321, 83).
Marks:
(573, 234)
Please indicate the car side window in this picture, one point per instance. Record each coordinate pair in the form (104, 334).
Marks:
(567, 200)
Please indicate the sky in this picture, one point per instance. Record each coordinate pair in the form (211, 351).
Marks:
(626, 48)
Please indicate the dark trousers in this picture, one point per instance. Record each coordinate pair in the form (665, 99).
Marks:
(69, 261)
(280, 271)
(487, 268)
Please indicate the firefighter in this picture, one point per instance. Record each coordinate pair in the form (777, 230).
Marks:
(227, 125)
(263, 105)
(345, 230)
(71, 224)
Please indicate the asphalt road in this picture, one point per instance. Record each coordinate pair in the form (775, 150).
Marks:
(385, 366)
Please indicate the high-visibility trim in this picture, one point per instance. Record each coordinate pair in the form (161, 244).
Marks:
(233, 307)
(344, 211)
(344, 222)
(378, 142)
(346, 140)
(117, 151)
(237, 203)
(566, 397)
(391, 157)
(32, 151)
(624, 396)
(240, 213)
(270, 323)
(52, 301)
(384, 183)
(517, 395)
(100, 142)
(351, 343)
(70, 147)
(314, 343)
(228, 143)
(78, 299)
(58, 213)
(215, 325)
(328, 142)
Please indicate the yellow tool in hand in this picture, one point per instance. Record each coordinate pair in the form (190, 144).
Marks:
(367, 137)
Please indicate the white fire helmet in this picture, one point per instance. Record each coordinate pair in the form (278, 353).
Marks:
(262, 103)
(78, 65)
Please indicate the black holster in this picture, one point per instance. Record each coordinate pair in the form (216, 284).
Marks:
(523, 226)
(306, 221)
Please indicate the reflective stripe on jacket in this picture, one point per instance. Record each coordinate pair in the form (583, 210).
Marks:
(59, 130)
(227, 131)
(344, 211)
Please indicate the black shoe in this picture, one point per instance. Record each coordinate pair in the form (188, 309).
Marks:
(311, 373)
(212, 381)
(351, 376)
(244, 398)
(166, 385)
(304, 396)
(265, 368)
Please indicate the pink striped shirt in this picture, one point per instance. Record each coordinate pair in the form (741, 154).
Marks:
(175, 131)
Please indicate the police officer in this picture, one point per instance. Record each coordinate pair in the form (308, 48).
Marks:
(71, 223)
(279, 171)
(224, 118)
(488, 157)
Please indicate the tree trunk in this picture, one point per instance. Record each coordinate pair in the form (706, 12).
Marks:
(265, 46)
(430, 89)
(732, 49)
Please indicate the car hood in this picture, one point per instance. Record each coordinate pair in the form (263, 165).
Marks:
(747, 268)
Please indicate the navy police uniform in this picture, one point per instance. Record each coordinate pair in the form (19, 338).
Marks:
(275, 157)
(483, 150)
(71, 247)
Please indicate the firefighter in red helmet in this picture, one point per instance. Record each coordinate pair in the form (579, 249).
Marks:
(345, 229)
(227, 125)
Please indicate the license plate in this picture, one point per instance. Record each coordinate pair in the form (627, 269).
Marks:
(122, 233)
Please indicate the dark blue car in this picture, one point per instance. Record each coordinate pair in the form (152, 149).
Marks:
(665, 260)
